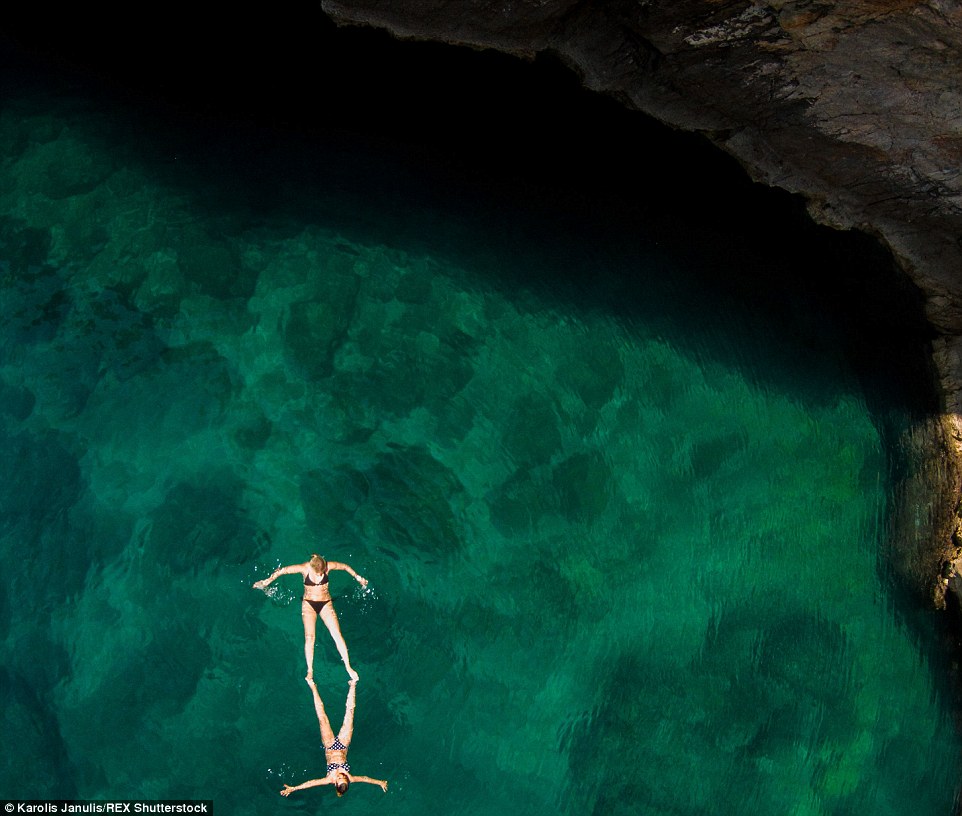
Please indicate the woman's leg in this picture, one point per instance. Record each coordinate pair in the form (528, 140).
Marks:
(347, 727)
(327, 733)
(329, 616)
(309, 617)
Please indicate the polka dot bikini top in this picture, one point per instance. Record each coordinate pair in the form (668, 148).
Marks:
(337, 766)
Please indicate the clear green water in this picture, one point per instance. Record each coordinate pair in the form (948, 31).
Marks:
(622, 540)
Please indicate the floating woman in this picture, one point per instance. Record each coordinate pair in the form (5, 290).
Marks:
(317, 601)
(335, 748)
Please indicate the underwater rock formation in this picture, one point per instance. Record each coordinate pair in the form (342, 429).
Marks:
(854, 105)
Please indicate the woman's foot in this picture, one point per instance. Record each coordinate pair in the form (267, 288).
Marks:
(354, 675)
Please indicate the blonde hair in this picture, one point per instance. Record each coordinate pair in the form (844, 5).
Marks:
(318, 564)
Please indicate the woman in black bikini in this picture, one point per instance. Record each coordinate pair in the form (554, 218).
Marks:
(335, 748)
(317, 601)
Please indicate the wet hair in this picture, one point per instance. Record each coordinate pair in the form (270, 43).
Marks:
(341, 786)
(318, 564)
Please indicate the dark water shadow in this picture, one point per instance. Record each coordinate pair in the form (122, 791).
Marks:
(270, 117)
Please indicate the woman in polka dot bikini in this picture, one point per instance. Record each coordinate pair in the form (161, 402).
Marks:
(335, 748)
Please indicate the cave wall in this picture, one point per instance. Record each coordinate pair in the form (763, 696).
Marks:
(854, 105)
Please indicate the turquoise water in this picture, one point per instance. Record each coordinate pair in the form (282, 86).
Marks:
(622, 531)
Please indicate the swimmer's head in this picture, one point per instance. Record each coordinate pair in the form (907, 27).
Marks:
(342, 784)
(318, 564)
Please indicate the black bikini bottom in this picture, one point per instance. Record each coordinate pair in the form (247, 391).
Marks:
(317, 606)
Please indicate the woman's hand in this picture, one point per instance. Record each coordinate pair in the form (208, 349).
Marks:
(383, 784)
(288, 790)
(261, 584)
(361, 580)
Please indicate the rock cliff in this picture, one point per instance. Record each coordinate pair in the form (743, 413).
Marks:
(855, 105)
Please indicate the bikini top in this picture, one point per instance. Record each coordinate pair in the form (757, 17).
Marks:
(309, 582)
(337, 745)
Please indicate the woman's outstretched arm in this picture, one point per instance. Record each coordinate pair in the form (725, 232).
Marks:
(313, 783)
(382, 783)
(337, 565)
(265, 582)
